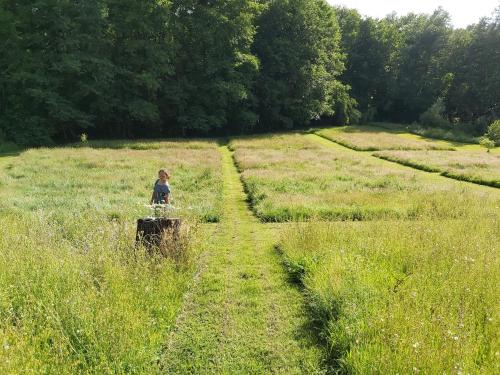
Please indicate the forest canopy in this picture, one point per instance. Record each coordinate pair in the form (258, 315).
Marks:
(152, 68)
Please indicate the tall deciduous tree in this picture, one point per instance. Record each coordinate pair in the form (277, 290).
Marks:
(371, 47)
(298, 46)
(140, 49)
(474, 64)
(53, 77)
(211, 90)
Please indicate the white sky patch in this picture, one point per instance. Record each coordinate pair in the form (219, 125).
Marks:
(462, 13)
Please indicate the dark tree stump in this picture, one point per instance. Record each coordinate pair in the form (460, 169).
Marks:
(152, 232)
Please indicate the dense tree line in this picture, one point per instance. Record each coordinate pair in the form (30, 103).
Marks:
(151, 68)
(419, 68)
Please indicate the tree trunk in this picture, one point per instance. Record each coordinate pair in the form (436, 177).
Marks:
(153, 232)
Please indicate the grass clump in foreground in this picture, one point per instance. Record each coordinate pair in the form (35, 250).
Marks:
(114, 179)
(294, 177)
(402, 297)
(75, 297)
(370, 138)
(478, 167)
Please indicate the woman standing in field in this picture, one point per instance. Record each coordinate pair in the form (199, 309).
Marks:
(161, 189)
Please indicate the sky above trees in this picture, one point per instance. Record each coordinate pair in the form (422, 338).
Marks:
(462, 13)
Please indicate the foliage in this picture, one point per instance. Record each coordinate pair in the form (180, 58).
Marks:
(148, 68)
(434, 116)
(211, 86)
(486, 142)
(298, 47)
(493, 132)
(151, 68)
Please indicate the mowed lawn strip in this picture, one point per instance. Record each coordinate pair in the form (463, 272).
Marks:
(370, 138)
(303, 177)
(114, 179)
(473, 166)
(243, 317)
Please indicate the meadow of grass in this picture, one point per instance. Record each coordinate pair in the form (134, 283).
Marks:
(404, 296)
(452, 135)
(295, 177)
(76, 297)
(370, 138)
(112, 178)
(478, 167)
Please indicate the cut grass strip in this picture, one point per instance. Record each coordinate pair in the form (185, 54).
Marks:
(478, 167)
(243, 317)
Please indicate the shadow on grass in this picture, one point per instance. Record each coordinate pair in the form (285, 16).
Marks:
(10, 149)
(314, 331)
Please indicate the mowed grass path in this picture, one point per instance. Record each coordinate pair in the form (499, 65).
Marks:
(242, 316)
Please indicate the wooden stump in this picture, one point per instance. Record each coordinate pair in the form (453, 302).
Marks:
(153, 232)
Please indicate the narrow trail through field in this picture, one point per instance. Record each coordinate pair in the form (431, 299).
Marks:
(242, 316)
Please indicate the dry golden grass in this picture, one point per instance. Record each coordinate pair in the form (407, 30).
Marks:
(474, 166)
(370, 138)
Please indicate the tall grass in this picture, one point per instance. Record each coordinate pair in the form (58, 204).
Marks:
(453, 135)
(76, 297)
(478, 167)
(402, 297)
(291, 177)
(115, 182)
(369, 138)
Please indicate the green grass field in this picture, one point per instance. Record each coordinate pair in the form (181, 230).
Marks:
(403, 279)
(402, 297)
(474, 166)
(75, 297)
(114, 179)
(298, 177)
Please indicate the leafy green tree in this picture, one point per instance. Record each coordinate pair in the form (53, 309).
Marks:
(298, 44)
(211, 88)
(371, 46)
(53, 76)
(493, 132)
(420, 64)
(474, 94)
(140, 53)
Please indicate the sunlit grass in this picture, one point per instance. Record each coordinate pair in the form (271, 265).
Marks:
(479, 167)
(403, 297)
(450, 134)
(76, 297)
(369, 138)
(112, 178)
(293, 177)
